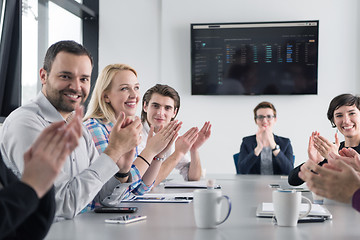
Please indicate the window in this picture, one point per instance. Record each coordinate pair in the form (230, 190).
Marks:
(45, 22)
(29, 72)
(59, 22)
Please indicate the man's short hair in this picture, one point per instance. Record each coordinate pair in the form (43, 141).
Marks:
(64, 46)
(264, 105)
(346, 99)
(163, 90)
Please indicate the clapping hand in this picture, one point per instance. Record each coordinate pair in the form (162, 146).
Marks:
(313, 153)
(124, 137)
(324, 146)
(176, 129)
(336, 180)
(156, 143)
(264, 138)
(185, 142)
(351, 157)
(203, 136)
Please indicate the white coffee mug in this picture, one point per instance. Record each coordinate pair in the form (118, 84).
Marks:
(287, 207)
(207, 207)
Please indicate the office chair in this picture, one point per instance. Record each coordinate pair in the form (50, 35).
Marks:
(236, 158)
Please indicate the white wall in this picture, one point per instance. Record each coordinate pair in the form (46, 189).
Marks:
(154, 37)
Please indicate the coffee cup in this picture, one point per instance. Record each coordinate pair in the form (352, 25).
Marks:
(287, 207)
(207, 207)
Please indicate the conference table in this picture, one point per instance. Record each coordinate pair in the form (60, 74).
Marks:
(176, 220)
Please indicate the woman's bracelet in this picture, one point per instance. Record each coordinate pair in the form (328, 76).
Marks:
(159, 159)
(144, 159)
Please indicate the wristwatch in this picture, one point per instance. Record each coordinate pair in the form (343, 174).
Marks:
(277, 147)
(159, 159)
(122, 175)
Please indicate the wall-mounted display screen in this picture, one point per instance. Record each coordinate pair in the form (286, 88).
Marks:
(256, 58)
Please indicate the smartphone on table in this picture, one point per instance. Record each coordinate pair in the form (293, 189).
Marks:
(312, 219)
(115, 209)
(125, 219)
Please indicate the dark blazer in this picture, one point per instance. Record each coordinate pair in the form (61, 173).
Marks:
(249, 163)
(22, 214)
(294, 179)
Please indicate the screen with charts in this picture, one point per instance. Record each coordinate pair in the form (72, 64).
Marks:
(261, 58)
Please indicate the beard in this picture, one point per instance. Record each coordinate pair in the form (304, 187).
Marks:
(57, 98)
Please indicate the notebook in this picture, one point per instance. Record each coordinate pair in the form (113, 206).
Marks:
(267, 210)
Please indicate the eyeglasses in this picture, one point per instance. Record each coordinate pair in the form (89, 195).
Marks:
(262, 117)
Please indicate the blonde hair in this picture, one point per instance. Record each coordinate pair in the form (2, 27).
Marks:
(97, 107)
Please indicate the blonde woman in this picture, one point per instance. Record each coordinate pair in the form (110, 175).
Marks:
(117, 92)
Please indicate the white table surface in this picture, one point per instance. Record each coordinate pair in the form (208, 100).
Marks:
(176, 220)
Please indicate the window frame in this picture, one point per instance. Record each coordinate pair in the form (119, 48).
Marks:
(88, 11)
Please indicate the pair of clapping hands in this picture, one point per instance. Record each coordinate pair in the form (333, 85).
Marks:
(337, 179)
(320, 148)
(191, 140)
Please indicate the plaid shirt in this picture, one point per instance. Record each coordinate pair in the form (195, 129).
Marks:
(100, 132)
